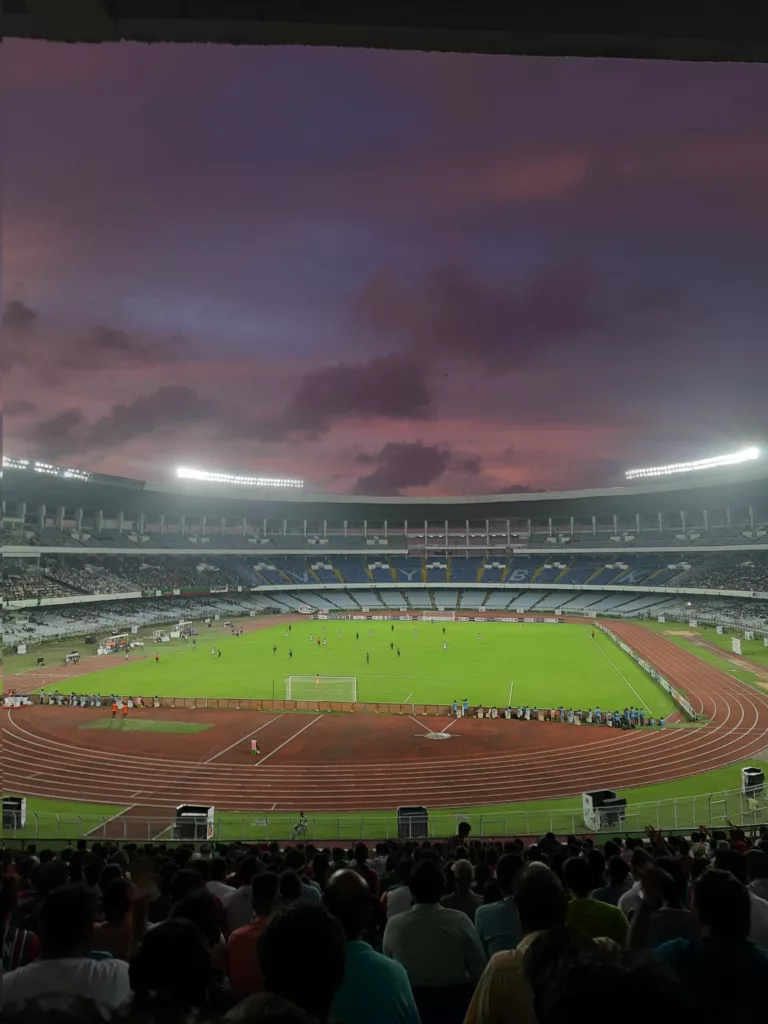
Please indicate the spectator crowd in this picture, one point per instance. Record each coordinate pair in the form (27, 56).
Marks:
(460, 932)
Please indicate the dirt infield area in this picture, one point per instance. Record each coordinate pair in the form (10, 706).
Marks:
(326, 762)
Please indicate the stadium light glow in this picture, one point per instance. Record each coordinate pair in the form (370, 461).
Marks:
(45, 467)
(733, 459)
(240, 481)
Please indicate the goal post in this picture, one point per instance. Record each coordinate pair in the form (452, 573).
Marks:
(439, 616)
(342, 689)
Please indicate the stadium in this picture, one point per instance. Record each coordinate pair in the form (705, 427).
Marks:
(250, 650)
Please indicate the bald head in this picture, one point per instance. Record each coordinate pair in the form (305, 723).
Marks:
(348, 898)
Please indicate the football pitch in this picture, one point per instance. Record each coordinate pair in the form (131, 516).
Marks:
(540, 665)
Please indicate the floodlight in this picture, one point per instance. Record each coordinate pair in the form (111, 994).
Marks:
(733, 459)
(185, 473)
(45, 467)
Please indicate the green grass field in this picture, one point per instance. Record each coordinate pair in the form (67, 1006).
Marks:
(536, 664)
(145, 725)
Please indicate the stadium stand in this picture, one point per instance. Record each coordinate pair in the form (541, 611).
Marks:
(454, 920)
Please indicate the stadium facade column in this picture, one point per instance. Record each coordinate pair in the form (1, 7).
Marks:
(183, 525)
(141, 523)
(446, 536)
(78, 519)
(305, 529)
(466, 524)
(405, 532)
(661, 523)
(594, 526)
(637, 521)
(120, 521)
(509, 534)
(162, 523)
(325, 527)
(572, 525)
(682, 519)
(751, 518)
(99, 520)
(487, 533)
(203, 525)
(365, 529)
(345, 527)
(60, 513)
(385, 529)
(728, 517)
(550, 526)
(285, 527)
(41, 514)
(706, 521)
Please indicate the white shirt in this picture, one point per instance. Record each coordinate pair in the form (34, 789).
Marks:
(399, 900)
(758, 911)
(238, 907)
(632, 900)
(435, 945)
(105, 981)
(220, 889)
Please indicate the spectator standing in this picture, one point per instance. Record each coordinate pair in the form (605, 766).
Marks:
(503, 995)
(238, 905)
(586, 915)
(463, 898)
(302, 954)
(115, 934)
(630, 902)
(376, 990)
(243, 965)
(216, 879)
(498, 924)
(724, 965)
(362, 867)
(662, 916)
(438, 947)
(736, 863)
(400, 898)
(757, 873)
(64, 968)
(18, 946)
(618, 876)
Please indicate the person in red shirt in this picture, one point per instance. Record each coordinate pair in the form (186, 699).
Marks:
(362, 867)
(243, 967)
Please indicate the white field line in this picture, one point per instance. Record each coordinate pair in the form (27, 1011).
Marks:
(242, 739)
(641, 702)
(289, 740)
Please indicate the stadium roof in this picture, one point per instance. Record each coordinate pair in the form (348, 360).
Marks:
(710, 30)
(735, 487)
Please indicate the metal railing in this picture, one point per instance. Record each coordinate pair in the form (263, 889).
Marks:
(680, 814)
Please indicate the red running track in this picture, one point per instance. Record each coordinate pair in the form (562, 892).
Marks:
(340, 763)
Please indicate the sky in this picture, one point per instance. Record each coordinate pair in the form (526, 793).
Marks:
(381, 272)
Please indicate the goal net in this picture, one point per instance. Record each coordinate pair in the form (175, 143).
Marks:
(333, 688)
(439, 616)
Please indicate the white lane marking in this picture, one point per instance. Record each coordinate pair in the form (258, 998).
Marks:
(289, 740)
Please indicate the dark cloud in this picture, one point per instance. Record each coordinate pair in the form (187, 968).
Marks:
(18, 316)
(19, 407)
(106, 347)
(455, 313)
(403, 464)
(391, 387)
(167, 408)
(469, 464)
(59, 435)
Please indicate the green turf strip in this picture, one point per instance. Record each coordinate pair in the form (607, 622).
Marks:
(669, 805)
(145, 725)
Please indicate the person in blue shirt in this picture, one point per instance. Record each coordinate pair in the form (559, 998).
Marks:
(498, 924)
(375, 990)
